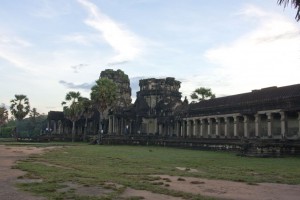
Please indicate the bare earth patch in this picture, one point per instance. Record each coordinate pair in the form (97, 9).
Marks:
(232, 190)
(146, 195)
(9, 176)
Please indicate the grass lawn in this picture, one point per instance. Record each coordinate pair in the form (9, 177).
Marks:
(130, 166)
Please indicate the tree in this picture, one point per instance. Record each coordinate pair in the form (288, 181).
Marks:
(201, 94)
(294, 3)
(88, 112)
(103, 96)
(19, 108)
(33, 114)
(72, 109)
(3, 115)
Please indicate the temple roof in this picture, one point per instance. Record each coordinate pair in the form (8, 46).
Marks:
(264, 99)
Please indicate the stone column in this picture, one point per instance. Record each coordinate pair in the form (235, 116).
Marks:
(235, 126)
(177, 129)
(283, 124)
(269, 121)
(246, 126)
(226, 121)
(217, 126)
(194, 128)
(298, 124)
(109, 125)
(181, 129)
(54, 127)
(160, 130)
(209, 127)
(121, 126)
(201, 127)
(113, 125)
(257, 123)
(188, 128)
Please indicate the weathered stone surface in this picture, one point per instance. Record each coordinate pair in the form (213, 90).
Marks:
(123, 83)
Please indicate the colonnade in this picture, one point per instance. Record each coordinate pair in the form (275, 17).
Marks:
(263, 124)
(119, 126)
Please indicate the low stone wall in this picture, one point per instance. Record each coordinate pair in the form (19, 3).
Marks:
(243, 147)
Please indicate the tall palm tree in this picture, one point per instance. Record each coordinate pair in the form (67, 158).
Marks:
(294, 3)
(88, 112)
(19, 108)
(103, 96)
(3, 115)
(72, 109)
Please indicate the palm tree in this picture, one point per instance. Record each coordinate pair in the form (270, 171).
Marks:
(87, 113)
(3, 115)
(19, 108)
(33, 114)
(294, 3)
(73, 110)
(103, 96)
(202, 93)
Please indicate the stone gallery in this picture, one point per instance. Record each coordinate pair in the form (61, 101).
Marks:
(267, 113)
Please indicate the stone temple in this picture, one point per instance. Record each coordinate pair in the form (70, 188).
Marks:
(270, 113)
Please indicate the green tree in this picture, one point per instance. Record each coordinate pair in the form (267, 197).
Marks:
(88, 112)
(33, 114)
(294, 3)
(201, 94)
(3, 116)
(72, 109)
(19, 108)
(103, 96)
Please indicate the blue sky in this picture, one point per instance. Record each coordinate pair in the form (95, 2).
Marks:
(50, 47)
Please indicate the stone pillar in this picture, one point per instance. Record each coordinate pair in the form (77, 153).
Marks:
(246, 126)
(283, 124)
(298, 124)
(194, 128)
(109, 125)
(201, 127)
(209, 127)
(177, 129)
(188, 128)
(269, 121)
(217, 126)
(257, 123)
(181, 128)
(226, 121)
(235, 126)
(160, 130)
(54, 126)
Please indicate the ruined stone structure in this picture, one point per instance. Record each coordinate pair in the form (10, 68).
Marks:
(270, 113)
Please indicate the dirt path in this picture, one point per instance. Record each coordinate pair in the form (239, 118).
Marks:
(8, 176)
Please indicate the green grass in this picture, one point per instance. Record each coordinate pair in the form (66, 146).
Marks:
(130, 166)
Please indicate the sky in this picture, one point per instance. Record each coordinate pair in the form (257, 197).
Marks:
(51, 47)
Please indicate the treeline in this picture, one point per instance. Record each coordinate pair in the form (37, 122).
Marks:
(27, 127)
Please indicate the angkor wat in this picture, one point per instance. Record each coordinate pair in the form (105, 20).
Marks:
(269, 114)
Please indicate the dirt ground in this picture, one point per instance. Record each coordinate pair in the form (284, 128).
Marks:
(8, 176)
(213, 188)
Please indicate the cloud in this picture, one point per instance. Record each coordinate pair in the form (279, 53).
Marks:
(86, 39)
(83, 86)
(117, 63)
(11, 49)
(47, 9)
(266, 56)
(127, 45)
(77, 68)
